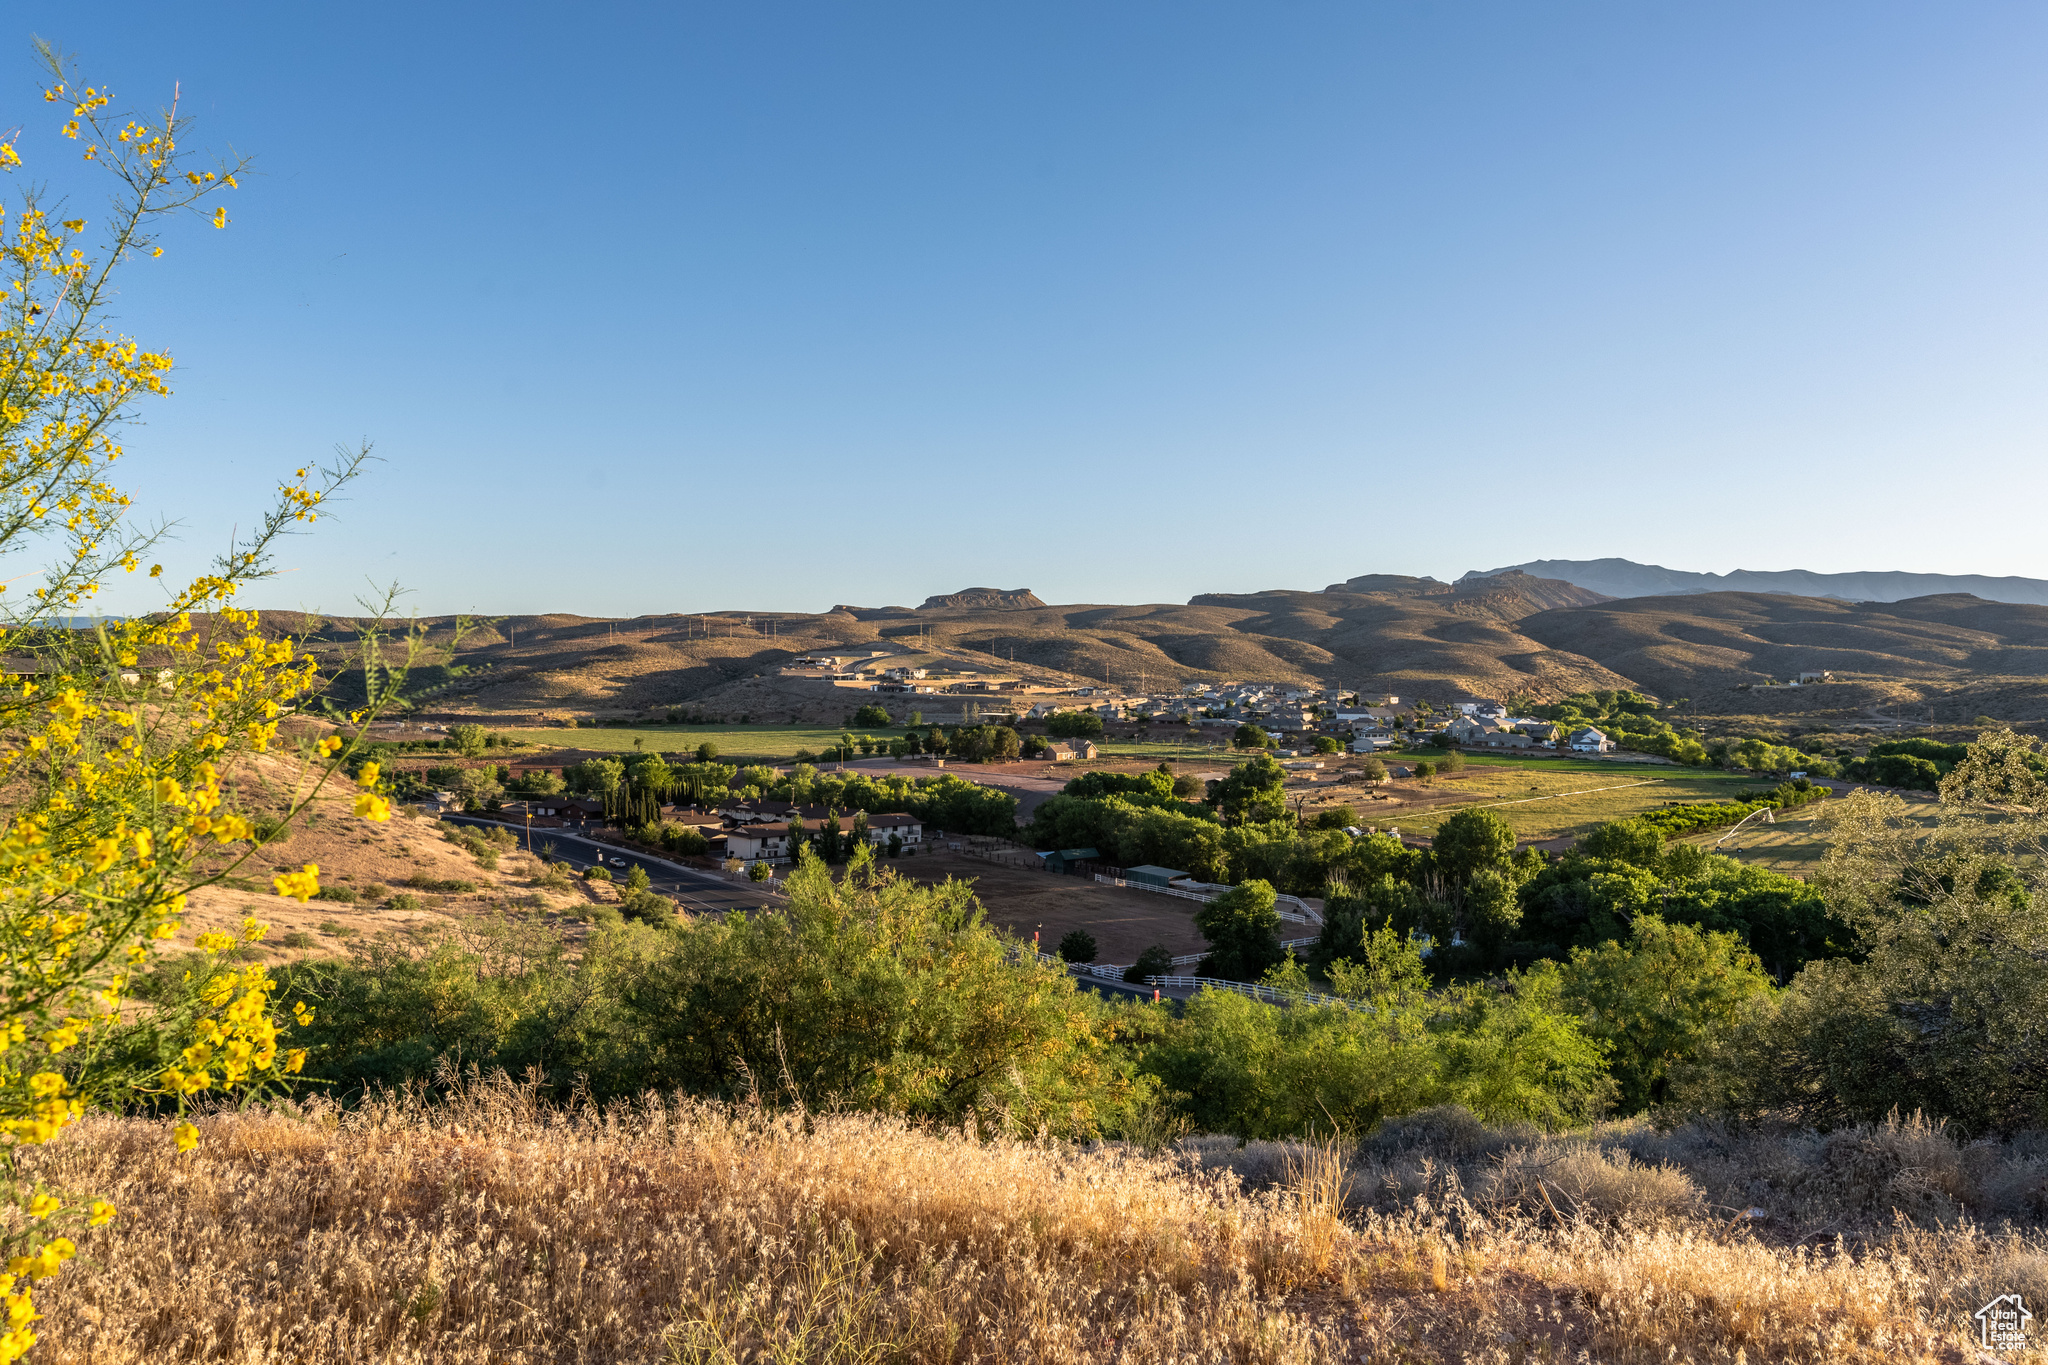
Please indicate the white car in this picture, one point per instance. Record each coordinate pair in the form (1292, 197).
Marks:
(618, 862)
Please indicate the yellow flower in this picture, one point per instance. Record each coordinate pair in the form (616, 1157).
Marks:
(43, 1205)
(367, 778)
(371, 806)
(302, 1012)
(45, 1085)
(301, 885)
(187, 1135)
(294, 1058)
(102, 1214)
(220, 218)
(329, 745)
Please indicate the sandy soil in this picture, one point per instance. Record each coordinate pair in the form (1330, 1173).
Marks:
(374, 860)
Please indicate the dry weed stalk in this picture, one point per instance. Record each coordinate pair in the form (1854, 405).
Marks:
(492, 1228)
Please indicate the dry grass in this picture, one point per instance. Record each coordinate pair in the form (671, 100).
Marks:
(490, 1229)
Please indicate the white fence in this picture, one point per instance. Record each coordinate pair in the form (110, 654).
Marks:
(1302, 913)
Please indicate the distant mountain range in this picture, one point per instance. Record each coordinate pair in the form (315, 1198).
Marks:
(1626, 578)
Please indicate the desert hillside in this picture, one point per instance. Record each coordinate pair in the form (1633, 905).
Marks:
(1952, 656)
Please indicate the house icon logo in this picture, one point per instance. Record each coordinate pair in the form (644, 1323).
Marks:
(2002, 1323)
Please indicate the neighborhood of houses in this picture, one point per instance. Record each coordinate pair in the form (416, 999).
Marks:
(739, 828)
(1369, 721)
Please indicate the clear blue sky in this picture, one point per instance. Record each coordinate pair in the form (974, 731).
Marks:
(676, 307)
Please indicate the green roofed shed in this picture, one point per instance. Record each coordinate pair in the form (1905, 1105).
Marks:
(1064, 859)
(1152, 876)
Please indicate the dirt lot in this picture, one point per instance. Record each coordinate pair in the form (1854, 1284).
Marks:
(374, 860)
(1024, 900)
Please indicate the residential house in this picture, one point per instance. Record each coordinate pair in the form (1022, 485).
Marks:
(1067, 750)
(905, 674)
(1506, 739)
(1469, 731)
(758, 843)
(1371, 743)
(907, 828)
(1590, 741)
(1813, 676)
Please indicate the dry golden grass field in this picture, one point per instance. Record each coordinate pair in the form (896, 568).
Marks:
(493, 1231)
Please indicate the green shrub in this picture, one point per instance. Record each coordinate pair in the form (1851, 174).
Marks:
(1154, 961)
(447, 886)
(346, 895)
(402, 901)
(597, 874)
(298, 938)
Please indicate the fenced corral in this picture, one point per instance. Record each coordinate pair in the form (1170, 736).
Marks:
(1293, 909)
(992, 849)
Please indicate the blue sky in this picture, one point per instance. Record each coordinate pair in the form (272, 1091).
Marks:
(674, 307)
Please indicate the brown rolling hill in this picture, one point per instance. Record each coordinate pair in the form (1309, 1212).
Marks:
(1507, 635)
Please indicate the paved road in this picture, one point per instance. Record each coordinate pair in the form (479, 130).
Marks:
(696, 892)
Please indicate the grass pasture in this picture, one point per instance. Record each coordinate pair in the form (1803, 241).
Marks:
(736, 743)
(1793, 843)
(1555, 798)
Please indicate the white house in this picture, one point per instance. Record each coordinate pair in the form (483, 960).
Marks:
(1366, 744)
(908, 828)
(756, 843)
(1590, 741)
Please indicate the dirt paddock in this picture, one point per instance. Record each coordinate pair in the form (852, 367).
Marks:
(1024, 900)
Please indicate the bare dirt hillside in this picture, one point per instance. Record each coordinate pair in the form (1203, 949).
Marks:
(1502, 635)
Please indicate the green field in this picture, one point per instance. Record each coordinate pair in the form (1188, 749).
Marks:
(1792, 844)
(764, 743)
(1549, 798)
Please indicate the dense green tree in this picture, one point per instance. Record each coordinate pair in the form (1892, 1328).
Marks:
(478, 788)
(1658, 998)
(1078, 945)
(873, 717)
(1253, 791)
(1074, 725)
(1250, 736)
(468, 740)
(1336, 817)
(1635, 841)
(1472, 841)
(1243, 930)
(706, 751)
